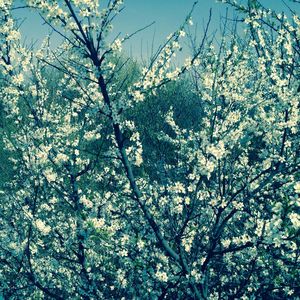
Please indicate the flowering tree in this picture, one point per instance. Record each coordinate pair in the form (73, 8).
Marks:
(83, 216)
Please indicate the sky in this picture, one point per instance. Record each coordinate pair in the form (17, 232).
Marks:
(167, 15)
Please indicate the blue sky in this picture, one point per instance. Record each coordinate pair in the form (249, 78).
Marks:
(167, 14)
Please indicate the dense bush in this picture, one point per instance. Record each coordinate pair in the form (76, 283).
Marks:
(133, 182)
